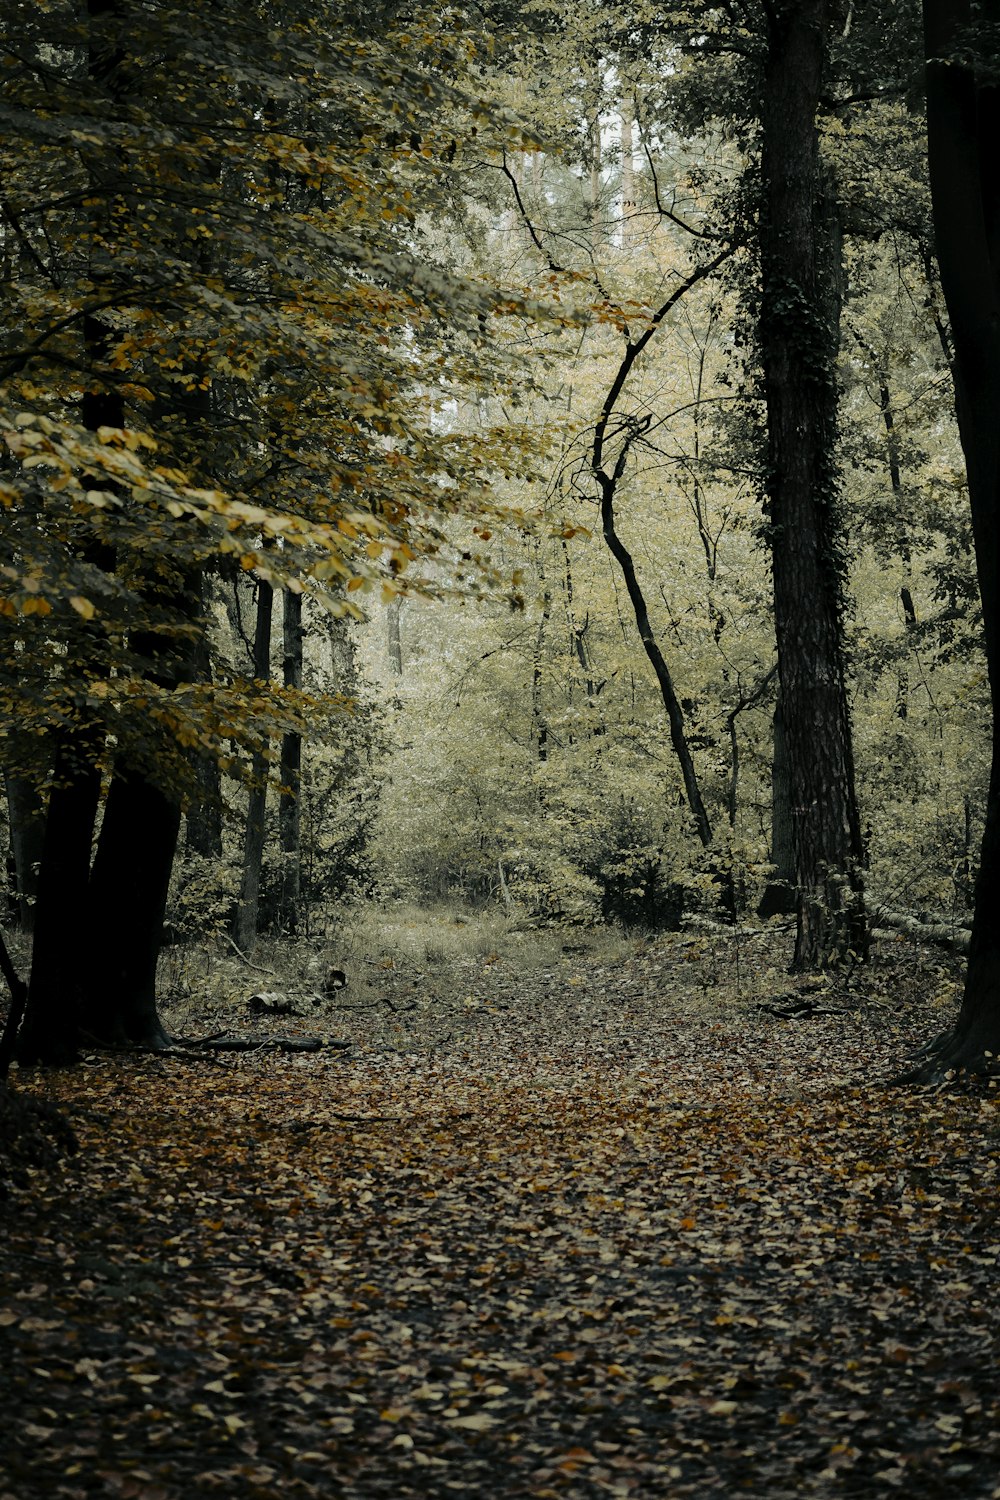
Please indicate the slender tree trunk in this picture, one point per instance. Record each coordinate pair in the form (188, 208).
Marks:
(628, 170)
(245, 919)
(538, 719)
(963, 121)
(675, 714)
(596, 180)
(799, 327)
(289, 806)
(203, 823)
(392, 620)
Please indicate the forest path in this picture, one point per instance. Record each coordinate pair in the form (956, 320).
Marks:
(602, 1238)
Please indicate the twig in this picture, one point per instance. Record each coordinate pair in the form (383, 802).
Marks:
(249, 963)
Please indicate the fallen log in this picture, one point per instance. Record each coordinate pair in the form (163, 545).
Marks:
(940, 933)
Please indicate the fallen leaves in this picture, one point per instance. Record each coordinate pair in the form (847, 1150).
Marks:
(687, 1264)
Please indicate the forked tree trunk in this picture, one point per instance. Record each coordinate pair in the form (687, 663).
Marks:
(798, 335)
(665, 682)
(963, 122)
(49, 1031)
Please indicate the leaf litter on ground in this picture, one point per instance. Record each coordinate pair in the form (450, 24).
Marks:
(587, 1229)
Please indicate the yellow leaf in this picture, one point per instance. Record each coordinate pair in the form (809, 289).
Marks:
(82, 606)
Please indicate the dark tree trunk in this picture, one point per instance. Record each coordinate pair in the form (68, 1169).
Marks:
(779, 894)
(49, 1031)
(538, 719)
(60, 948)
(289, 806)
(203, 823)
(671, 703)
(26, 813)
(245, 918)
(963, 125)
(127, 898)
(799, 327)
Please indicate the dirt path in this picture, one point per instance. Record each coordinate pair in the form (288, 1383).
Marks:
(571, 1239)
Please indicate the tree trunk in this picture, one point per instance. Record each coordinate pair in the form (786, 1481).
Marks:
(245, 919)
(203, 824)
(26, 814)
(392, 614)
(127, 899)
(627, 118)
(675, 714)
(289, 819)
(779, 893)
(60, 947)
(49, 1030)
(538, 720)
(798, 332)
(963, 125)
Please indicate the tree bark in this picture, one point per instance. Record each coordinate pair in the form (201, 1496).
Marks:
(126, 899)
(203, 824)
(245, 918)
(289, 805)
(26, 814)
(49, 1030)
(779, 893)
(798, 335)
(963, 126)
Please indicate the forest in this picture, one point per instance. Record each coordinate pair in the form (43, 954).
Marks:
(500, 655)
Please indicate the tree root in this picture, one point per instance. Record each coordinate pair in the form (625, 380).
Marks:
(950, 1059)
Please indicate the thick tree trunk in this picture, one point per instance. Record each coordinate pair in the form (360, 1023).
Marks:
(127, 898)
(26, 814)
(245, 918)
(963, 124)
(799, 324)
(289, 806)
(60, 946)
